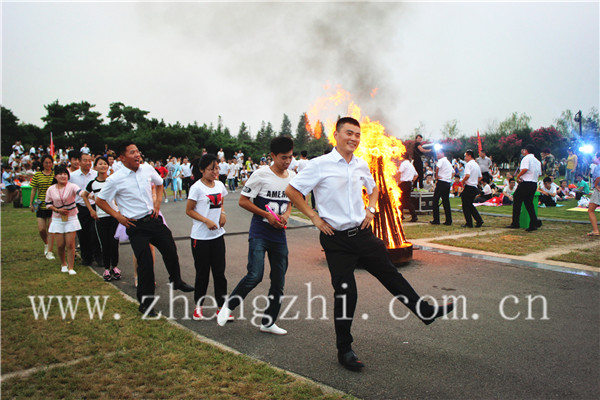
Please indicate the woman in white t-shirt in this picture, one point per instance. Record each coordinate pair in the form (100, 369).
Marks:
(205, 207)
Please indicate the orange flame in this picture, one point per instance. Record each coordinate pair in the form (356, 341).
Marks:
(374, 92)
(380, 151)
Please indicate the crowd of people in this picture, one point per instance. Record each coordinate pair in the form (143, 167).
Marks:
(477, 180)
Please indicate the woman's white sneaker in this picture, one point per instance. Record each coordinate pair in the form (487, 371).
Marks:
(72, 272)
(274, 329)
(64, 268)
(50, 256)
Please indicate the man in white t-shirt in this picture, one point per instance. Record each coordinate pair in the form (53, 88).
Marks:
(186, 175)
(408, 175)
(443, 175)
(529, 171)
(470, 181)
(264, 196)
(548, 193)
(223, 169)
(85, 149)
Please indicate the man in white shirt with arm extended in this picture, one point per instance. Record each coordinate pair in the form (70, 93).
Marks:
(443, 175)
(529, 171)
(131, 188)
(470, 181)
(337, 180)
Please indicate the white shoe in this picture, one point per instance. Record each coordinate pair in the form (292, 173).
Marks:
(50, 256)
(223, 316)
(45, 248)
(166, 200)
(274, 329)
(72, 272)
(64, 268)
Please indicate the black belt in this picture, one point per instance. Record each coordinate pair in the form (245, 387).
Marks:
(349, 232)
(147, 218)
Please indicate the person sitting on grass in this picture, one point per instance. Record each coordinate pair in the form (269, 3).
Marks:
(583, 188)
(486, 192)
(429, 185)
(457, 186)
(509, 192)
(564, 193)
(548, 192)
(595, 198)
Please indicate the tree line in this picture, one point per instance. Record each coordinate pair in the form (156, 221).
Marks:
(74, 124)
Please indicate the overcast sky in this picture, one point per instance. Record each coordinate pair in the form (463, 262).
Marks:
(432, 62)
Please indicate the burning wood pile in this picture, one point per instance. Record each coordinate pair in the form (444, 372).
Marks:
(379, 150)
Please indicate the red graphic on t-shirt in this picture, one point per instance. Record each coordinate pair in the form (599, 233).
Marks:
(216, 200)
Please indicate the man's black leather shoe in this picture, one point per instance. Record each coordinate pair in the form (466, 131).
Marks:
(434, 222)
(350, 360)
(448, 223)
(511, 226)
(184, 287)
(150, 314)
(434, 313)
(479, 224)
(466, 226)
(531, 229)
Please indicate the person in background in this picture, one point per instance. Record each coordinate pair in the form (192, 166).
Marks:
(407, 176)
(564, 193)
(485, 164)
(40, 183)
(205, 207)
(486, 191)
(471, 181)
(186, 175)
(429, 185)
(509, 192)
(223, 170)
(418, 151)
(548, 163)
(527, 178)
(443, 174)
(595, 198)
(571, 166)
(548, 196)
(583, 188)
(457, 186)
(60, 199)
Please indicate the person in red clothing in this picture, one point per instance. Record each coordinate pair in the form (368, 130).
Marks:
(163, 172)
(457, 186)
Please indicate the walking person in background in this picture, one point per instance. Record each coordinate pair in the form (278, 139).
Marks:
(106, 225)
(408, 176)
(470, 181)
(223, 170)
(418, 152)
(346, 234)
(443, 176)
(60, 199)
(527, 178)
(40, 182)
(231, 174)
(205, 207)
(571, 166)
(186, 176)
(595, 198)
(131, 188)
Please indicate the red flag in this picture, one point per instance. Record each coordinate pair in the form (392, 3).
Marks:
(479, 146)
(51, 145)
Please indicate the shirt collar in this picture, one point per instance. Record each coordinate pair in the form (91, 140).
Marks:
(337, 156)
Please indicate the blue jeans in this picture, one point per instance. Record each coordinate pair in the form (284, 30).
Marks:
(231, 184)
(570, 176)
(278, 259)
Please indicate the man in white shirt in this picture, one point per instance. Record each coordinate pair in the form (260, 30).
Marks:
(131, 188)
(485, 164)
(186, 175)
(548, 192)
(85, 149)
(470, 181)
(88, 239)
(529, 172)
(337, 180)
(443, 175)
(408, 175)
(223, 169)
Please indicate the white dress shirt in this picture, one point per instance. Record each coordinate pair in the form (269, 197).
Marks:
(472, 169)
(132, 191)
(186, 170)
(82, 180)
(407, 171)
(445, 170)
(337, 186)
(533, 166)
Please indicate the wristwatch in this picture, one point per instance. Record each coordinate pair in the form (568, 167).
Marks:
(371, 209)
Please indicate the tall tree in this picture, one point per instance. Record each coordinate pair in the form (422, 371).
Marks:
(243, 133)
(286, 126)
(126, 118)
(302, 134)
(10, 130)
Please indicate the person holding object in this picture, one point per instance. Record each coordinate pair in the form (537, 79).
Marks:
(337, 180)
(131, 188)
(470, 181)
(205, 207)
(266, 188)
(529, 171)
(60, 199)
(443, 176)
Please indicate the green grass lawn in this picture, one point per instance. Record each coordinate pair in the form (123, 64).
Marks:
(122, 358)
(584, 256)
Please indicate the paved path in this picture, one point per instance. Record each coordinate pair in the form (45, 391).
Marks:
(487, 357)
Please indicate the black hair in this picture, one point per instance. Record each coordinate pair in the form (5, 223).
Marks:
(74, 154)
(304, 153)
(530, 148)
(105, 159)
(44, 158)
(511, 180)
(123, 147)
(470, 152)
(547, 179)
(60, 169)
(281, 144)
(419, 136)
(346, 120)
(547, 151)
(207, 160)
(486, 179)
